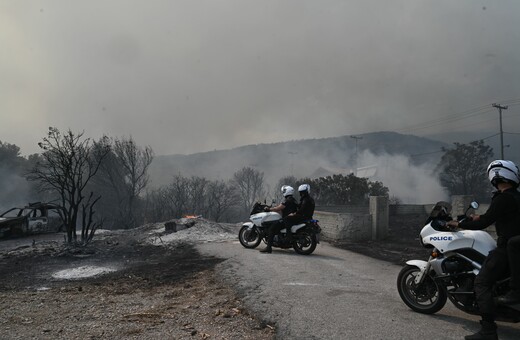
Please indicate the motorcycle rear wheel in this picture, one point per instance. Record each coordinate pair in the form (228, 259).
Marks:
(249, 238)
(305, 242)
(425, 298)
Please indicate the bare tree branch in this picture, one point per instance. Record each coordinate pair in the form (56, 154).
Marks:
(67, 164)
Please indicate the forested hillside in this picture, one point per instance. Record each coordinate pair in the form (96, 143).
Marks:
(298, 158)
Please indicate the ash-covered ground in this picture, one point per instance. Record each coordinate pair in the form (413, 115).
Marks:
(128, 284)
(144, 283)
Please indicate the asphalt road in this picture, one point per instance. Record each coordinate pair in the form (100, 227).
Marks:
(334, 294)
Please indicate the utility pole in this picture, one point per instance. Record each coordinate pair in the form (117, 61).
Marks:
(500, 108)
(356, 157)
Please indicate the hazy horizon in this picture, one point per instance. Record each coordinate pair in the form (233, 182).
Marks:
(193, 76)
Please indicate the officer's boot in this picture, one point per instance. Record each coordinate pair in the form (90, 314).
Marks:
(267, 250)
(487, 332)
(288, 234)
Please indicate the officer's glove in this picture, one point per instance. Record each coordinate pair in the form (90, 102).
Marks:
(451, 225)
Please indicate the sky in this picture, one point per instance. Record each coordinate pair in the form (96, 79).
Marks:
(192, 76)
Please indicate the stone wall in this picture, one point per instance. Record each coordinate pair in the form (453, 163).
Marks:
(410, 209)
(354, 227)
(379, 213)
(358, 223)
(344, 209)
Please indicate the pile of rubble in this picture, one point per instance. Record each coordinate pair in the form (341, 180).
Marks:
(191, 230)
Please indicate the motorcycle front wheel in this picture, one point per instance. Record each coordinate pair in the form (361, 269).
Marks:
(426, 297)
(305, 242)
(249, 238)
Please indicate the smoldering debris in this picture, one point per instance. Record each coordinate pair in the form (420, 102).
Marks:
(190, 230)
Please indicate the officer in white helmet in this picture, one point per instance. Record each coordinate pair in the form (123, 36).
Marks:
(504, 212)
(305, 209)
(286, 207)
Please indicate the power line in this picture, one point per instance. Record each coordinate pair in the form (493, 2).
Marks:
(442, 150)
(479, 110)
(446, 119)
(507, 115)
(476, 111)
(496, 134)
(471, 124)
(511, 101)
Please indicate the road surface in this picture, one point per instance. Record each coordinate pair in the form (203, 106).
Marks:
(334, 294)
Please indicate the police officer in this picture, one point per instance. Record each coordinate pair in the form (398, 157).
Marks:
(504, 211)
(286, 207)
(305, 208)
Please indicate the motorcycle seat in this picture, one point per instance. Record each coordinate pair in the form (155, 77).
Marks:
(298, 225)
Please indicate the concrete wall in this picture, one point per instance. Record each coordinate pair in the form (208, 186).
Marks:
(379, 212)
(460, 204)
(394, 209)
(355, 223)
(362, 223)
(410, 209)
(353, 227)
(344, 209)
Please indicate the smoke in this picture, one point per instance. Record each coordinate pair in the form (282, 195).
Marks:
(16, 191)
(188, 77)
(410, 182)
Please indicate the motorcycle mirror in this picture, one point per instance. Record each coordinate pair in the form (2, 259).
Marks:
(472, 205)
(273, 201)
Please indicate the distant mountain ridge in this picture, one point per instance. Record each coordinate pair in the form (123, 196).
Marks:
(300, 158)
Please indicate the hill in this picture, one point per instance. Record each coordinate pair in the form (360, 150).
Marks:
(302, 158)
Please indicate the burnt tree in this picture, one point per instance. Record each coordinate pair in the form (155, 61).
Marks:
(222, 197)
(463, 169)
(250, 186)
(66, 166)
(125, 173)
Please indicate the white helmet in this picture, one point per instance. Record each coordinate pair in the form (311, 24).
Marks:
(287, 190)
(304, 187)
(503, 171)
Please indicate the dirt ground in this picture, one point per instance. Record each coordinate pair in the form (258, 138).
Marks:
(168, 291)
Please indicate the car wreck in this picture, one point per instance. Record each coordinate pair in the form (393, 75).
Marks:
(35, 218)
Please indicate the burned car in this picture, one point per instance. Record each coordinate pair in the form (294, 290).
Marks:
(34, 218)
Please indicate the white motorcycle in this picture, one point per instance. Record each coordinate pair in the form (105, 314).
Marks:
(304, 237)
(455, 260)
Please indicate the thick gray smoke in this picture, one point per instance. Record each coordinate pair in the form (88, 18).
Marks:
(411, 183)
(15, 190)
(407, 180)
(187, 76)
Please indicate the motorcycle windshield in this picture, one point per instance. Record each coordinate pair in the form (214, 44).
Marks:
(440, 210)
